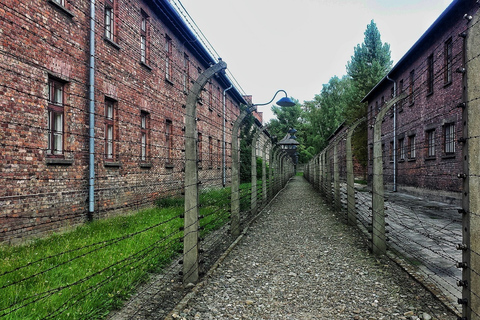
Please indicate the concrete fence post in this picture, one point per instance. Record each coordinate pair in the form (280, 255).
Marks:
(270, 172)
(253, 198)
(336, 177)
(379, 245)
(471, 174)
(235, 189)
(264, 174)
(190, 241)
(351, 211)
(323, 173)
(328, 177)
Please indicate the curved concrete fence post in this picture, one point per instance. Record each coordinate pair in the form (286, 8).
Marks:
(190, 241)
(351, 211)
(379, 245)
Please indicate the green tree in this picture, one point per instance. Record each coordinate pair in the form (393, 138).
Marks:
(326, 112)
(370, 62)
(286, 118)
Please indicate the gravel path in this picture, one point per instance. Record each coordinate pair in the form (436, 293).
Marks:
(299, 261)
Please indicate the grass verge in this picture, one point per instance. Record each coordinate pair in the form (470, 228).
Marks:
(85, 273)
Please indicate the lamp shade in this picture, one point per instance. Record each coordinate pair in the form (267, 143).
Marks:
(285, 102)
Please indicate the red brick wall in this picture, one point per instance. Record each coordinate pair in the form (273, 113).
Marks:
(38, 40)
(428, 111)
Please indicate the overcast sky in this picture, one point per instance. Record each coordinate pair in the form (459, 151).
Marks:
(298, 45)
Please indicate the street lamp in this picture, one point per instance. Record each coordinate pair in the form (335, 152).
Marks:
(283, 102)
(235, 191)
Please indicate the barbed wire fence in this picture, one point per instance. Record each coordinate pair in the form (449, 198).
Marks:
(137, 229)
(434, 240)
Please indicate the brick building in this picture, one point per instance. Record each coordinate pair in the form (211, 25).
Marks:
(421, 152)
(145, 61)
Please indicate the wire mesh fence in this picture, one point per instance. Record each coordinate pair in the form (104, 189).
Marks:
(76, 245)
(415, 197)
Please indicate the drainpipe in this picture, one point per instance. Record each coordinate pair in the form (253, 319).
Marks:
(394, 135)
(224, 162)
(91, 180)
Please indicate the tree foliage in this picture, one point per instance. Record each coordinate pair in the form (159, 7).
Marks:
(338, 101)
(370, 62)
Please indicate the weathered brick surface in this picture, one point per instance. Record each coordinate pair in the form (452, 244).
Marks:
(428, 111)
(39, 40)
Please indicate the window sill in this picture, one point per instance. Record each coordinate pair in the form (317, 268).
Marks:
(146, 66)
(169, 166)
(59, 161)
(401, 160)
(146, 165)
(170, 82)
(429, 94)
(411, 104)
(430, 158)
(62, 9)
(447, 84)
(112, 43)
(412, 160)
(448, 156)
(112, 164)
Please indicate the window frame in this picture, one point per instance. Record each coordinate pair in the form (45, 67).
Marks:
(144, 32)
(144, 136)
(449, 147)
(56, 107)
(186, 72)
(199, 151)
(412, 154)
(169, 141)
(210, 152)
(110, 150)
(448, 68)
(168, 58)
(411, 87)
(401, 149)
(430, 143)
(430, 74)
(110, 29)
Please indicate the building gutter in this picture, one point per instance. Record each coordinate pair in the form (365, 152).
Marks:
(91, 160)
(224, 160)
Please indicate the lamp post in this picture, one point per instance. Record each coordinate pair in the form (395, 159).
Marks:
(235, 199)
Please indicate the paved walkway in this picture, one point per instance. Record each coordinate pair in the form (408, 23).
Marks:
(299, 261)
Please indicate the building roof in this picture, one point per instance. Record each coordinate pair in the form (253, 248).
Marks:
(428, 37)
(172, 19)
(287, 140)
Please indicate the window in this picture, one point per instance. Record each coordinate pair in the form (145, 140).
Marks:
(186, 72)
(430, 74)
(210, 152)
(449, 138)
(199, 152)
(430, 143)
(55, 117)
(219, 153)
(110, 20)
(390, 153)
(109, 129)
(400, 90)
(144, 132)
(448, 62)
(168, 58)
(411, 147)
(411, 92)
(144, 38)
(169, 140)
(60, 2)
(401, 148)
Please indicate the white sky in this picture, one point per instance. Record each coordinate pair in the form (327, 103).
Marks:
(298, 45)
